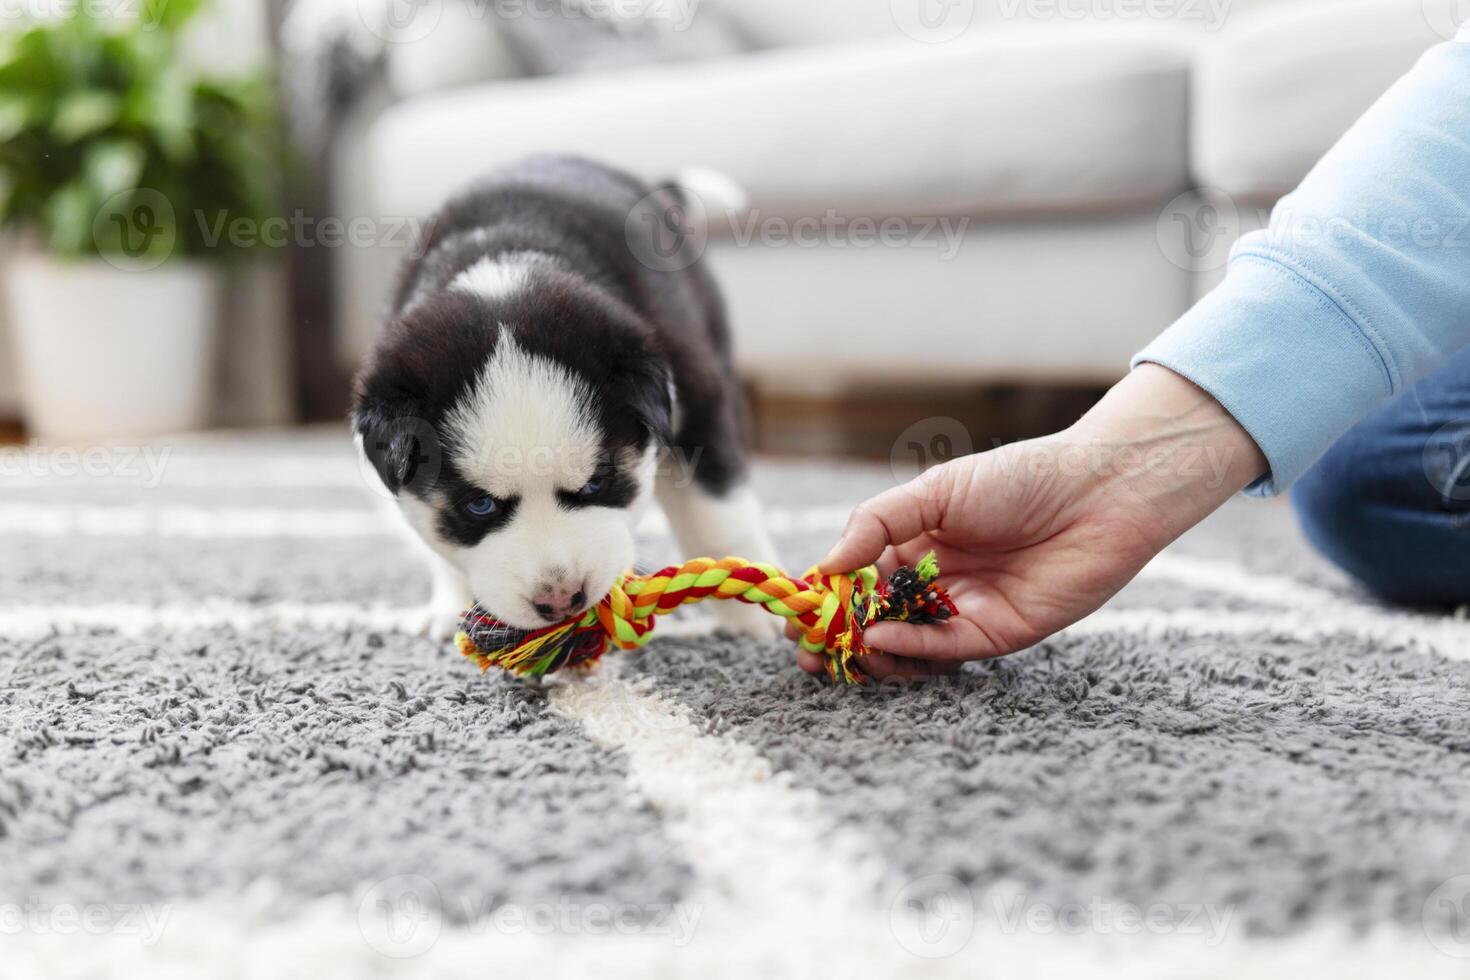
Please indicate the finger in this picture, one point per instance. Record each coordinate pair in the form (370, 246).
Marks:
(954, 639)
(810, 662)
(892, 517)
(793, 633)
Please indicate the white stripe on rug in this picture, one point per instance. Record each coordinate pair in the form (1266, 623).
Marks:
(174, 521)
(1445, 635)
(41, 471)
(755, 839)
(58, 521)
(337, 938)
(128, 619)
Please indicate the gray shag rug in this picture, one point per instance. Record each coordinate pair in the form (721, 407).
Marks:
(223, 753)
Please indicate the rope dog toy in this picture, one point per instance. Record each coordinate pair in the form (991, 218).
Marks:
(830, 610)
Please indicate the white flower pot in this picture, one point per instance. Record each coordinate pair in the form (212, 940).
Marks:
(105, 352)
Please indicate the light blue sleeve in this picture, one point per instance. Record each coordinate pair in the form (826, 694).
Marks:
(1359, 286)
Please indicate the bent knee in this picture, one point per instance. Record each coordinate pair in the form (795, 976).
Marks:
(1398, 541)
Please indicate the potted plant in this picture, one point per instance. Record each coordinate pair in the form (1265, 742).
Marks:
(128, 180)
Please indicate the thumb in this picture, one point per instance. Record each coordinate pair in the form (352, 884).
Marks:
(893, 517)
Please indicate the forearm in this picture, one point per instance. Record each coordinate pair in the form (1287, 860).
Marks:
(1160, 443)
(1359, 287)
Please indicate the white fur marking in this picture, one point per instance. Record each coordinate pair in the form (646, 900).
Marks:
(500, 276)
(527, 420)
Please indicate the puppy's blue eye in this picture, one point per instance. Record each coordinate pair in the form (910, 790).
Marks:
(593, 487)
(482, 506)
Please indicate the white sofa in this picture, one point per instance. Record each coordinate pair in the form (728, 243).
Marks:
(1103, 162)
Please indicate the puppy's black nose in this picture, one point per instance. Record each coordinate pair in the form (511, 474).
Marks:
(555, 603)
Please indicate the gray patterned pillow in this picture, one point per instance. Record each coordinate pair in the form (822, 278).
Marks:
(561, 37)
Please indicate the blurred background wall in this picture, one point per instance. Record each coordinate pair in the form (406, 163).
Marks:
(979, 206)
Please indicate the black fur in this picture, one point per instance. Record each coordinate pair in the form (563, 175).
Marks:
(629, 330)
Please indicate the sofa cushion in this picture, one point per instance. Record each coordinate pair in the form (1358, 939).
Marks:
(1276, 89)
(774, 23)
(1023, 121)
(563, 40)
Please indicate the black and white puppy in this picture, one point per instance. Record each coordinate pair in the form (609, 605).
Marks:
(540, 379)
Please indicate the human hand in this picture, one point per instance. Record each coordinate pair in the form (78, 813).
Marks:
(1034, 536)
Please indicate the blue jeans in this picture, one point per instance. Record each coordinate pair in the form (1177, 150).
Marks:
(1390, 502)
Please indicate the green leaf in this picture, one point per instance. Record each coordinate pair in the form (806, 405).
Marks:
(69, 215)
(168, 15)
(113, 166)
(171, 114)
(110, 143)
(83, 113)
(16, 112)
(29, 61)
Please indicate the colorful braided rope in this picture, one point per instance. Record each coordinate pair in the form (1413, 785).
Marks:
(831, 612)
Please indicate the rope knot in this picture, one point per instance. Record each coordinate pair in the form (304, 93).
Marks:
(831, 611)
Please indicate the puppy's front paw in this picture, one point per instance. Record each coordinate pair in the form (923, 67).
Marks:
(742, 619)
(439, 621)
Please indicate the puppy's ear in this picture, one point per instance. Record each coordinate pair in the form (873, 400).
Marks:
(651, 396)
(403, 448)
